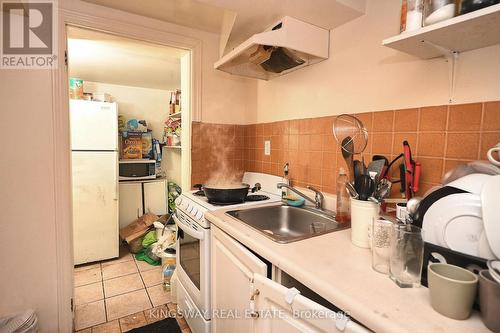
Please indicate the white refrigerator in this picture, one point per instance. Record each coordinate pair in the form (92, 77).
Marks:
(94, 156)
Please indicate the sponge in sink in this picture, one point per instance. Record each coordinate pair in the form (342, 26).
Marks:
(296, 203)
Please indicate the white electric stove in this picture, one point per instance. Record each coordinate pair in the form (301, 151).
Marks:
(193, 247)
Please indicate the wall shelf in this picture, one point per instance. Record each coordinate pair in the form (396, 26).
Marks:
(173, 147)
(470, 31)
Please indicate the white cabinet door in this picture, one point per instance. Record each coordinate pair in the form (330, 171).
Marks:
(280, 311)
(155, 197)
(130, 203)
(233, 268)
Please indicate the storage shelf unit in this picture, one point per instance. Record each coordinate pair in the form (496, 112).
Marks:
(470, 31)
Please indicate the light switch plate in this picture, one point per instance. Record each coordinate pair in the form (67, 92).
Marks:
(267, 147)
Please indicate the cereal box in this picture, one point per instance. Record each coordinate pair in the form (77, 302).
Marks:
(131, 147)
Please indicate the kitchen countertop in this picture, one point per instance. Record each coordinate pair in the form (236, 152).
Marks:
(340, 272)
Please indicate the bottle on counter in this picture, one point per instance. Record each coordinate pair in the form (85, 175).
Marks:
(343, 213)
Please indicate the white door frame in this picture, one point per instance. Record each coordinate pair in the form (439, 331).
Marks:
(62, 156)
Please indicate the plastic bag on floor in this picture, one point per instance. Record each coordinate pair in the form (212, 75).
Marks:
(149, 239)
(165, 242)
(141, 255)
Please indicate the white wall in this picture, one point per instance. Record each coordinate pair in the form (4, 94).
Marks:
(144, 103)
(27, 229)
(27, 226)
(362, 75)
(172, 164)
(137, 102)
(226, 99)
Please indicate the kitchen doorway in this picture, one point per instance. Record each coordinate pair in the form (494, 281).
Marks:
(130, 124)
(125, 25)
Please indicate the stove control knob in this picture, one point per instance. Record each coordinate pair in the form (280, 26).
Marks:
(178, 201)
(199, 215)
(194, 211)
(188, 207)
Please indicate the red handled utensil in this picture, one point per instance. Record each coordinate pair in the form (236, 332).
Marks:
(412, 171)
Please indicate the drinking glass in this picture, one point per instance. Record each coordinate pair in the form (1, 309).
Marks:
(406, 255)
(317, 227)
(381, 239)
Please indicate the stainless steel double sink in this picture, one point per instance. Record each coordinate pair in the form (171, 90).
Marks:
(285, 224)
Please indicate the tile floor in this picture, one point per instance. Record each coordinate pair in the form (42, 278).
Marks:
(118, 295)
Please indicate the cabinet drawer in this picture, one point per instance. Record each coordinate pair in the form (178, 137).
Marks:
(283, 309)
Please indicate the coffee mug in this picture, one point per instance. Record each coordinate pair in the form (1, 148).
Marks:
(491, 157)
(489, 300)
(452, 290)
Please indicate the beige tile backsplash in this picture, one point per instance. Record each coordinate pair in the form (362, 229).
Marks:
(439, 136)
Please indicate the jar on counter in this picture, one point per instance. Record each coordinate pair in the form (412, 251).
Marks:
(438, 10)
(414, 14)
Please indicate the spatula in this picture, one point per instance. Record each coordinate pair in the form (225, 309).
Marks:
(376, 166)
(347, 152)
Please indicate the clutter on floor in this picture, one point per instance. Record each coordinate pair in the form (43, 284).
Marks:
(114, 290)
(136, 230)
(152, 239)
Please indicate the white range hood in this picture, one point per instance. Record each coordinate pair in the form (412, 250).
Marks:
(287, 45)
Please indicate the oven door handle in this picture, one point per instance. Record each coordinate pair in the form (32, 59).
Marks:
(193, 233)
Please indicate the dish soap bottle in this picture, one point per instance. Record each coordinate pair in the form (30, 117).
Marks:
(343, 213)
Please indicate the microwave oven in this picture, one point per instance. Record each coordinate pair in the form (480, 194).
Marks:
(137, 169)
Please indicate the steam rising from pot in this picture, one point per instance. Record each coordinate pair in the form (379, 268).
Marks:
(221, 148)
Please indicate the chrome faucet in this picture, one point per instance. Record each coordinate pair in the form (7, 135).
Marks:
(318, 197)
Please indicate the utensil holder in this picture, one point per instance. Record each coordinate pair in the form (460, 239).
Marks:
(362, 215)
